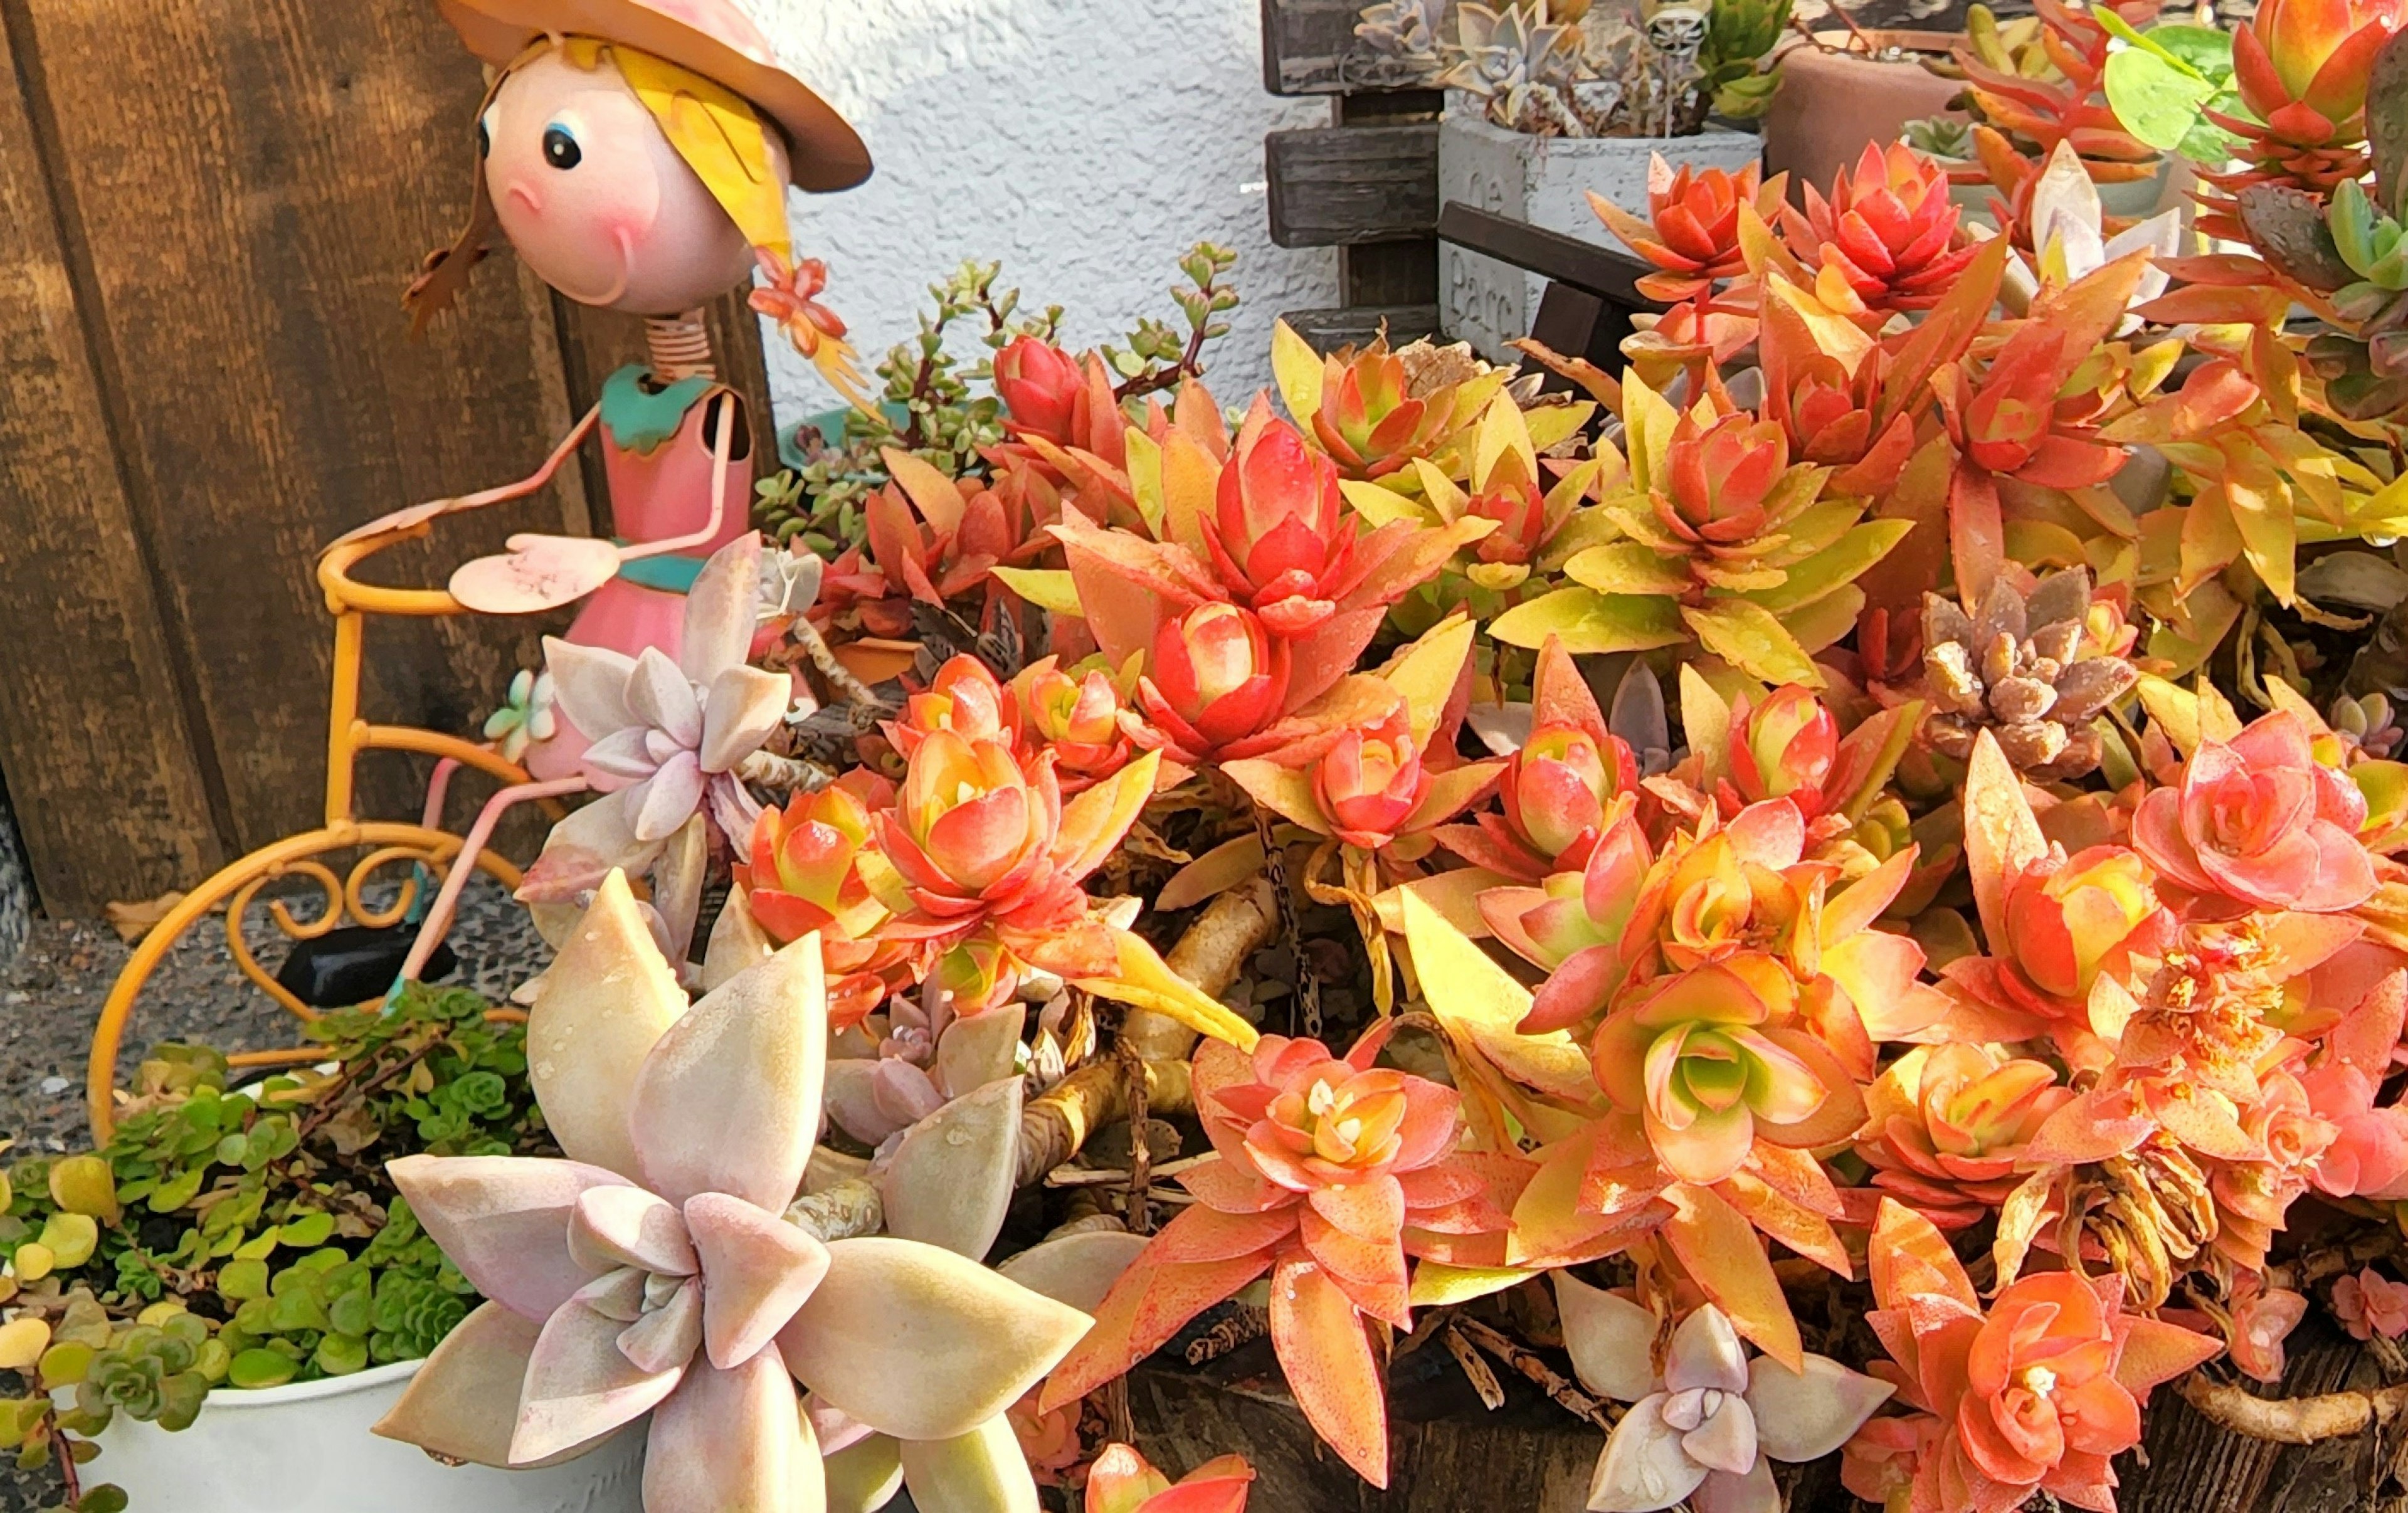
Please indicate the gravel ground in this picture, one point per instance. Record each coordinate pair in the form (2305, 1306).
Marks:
(51, 998)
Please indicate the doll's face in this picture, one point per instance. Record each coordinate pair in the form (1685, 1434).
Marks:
(596, 199)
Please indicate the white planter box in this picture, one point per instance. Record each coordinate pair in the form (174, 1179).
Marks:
(1545, 181)
(306, 1448)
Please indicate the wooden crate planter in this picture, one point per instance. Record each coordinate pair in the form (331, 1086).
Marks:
(1543, 182)
(1366, 184)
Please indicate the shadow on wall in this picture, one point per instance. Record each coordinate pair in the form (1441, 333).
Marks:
(1087, 144)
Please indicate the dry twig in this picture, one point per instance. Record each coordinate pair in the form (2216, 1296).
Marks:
(1529, 1364)
(1484, 1380)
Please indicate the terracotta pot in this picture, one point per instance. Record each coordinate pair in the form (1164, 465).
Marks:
(1830, 105)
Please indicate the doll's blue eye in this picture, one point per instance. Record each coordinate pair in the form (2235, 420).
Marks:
(560, 149)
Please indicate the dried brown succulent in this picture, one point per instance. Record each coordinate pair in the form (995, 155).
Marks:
(2026, 668)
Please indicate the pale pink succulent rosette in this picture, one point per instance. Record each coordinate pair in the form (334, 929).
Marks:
(660, 738)
(652, 1270)
(1707, 1426)
(2261, 824)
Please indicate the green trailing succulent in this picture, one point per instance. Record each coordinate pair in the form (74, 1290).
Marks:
(1741, 36)
(247, 1238)
(941, 407)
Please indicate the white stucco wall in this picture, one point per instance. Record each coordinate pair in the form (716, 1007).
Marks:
(1085, 143)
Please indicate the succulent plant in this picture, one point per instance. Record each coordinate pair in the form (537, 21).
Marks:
(1941, 137)
(233, 1240)
(660, 1275)
(1709, 1423)
(666, 735)
(2025, 666)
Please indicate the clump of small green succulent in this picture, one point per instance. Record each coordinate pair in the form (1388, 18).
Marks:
(1941, 137)
(1741, 36)
(247, 1238)
(926, 407)
(940, 407)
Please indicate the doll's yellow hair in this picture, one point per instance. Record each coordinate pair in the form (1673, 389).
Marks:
(715, 130)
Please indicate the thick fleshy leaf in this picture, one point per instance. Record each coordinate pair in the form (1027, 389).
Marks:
(667, 1338)
(1077, 1269)
(626, 1226)
(729, 1100)
(2155, 1351)
(1722, 1492)
(503, 1222)
(745, 705)
(1150, 1302)
(1590, 622)
(1719, 1246)
(1753, 640)
(589, 685)
(757, 1270)
(583, 849)
(1144, 980)
(981, 1472)
(1706, 1354)
(1612, 1339)
(580, 1385)
(1093, 823)
(950, 1182)
(607, 999)
(1806, 1414)
(736, 943)
(733, 1442)
(461, 1402)
(720, 610)
(663, 803)
(865, 1476)
(1643, 1467)
(660, 697)
(2001, 834)
(1910, 1258)
(977, 1051)
(919, 1343)
(1328, 1364)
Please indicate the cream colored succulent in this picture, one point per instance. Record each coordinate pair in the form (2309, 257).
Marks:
(654, 1271)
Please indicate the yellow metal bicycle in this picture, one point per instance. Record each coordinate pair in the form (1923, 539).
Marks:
(363, 847)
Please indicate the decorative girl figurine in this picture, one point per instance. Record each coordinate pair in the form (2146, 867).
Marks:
(636, 154)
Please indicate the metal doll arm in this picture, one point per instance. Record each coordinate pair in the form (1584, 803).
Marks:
(416, 514)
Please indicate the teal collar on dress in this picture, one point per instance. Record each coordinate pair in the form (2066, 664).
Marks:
(639, 419)
(670, 572)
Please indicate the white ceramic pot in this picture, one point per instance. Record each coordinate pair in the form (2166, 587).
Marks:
(306, 1448)
(1544, 181)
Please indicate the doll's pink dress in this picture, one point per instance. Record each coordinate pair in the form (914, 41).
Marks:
(658, 493)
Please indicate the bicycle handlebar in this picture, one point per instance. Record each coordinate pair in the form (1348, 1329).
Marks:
(346, 593)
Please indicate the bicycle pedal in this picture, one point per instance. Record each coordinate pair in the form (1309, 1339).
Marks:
(356, 965)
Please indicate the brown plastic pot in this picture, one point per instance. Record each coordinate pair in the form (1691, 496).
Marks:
(1832, 105)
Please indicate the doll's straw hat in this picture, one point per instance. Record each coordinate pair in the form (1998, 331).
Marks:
(711, 37)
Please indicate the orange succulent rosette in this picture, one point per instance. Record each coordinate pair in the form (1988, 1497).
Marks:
(1329, 1173)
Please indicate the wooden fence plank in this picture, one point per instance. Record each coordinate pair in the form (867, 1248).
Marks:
(255, 182)
(1305, 44)
(1344, 186)
(92, 735)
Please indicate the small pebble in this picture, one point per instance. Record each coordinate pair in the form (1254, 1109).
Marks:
(55, 1085)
